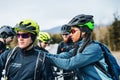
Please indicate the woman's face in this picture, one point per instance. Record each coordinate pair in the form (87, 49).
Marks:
(75, 34)
(24, 39)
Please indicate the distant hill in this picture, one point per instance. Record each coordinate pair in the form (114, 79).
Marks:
(55, 30)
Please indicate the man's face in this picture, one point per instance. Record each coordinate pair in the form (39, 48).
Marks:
(65, 37)
(24, 39)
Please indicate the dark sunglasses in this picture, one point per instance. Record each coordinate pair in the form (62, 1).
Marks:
(24, 35)
(73, 31)
(65, 34)
(46, 42)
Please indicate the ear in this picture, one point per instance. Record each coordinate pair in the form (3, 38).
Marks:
(83, 34)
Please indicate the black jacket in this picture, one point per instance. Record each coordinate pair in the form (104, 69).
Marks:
(23, 66)
(65, 47)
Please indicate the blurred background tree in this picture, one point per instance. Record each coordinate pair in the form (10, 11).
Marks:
(56, 38)
(114, 32)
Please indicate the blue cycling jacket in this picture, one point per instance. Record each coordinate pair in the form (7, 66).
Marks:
(83, 63)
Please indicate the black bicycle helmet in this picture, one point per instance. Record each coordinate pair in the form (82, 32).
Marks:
(82, 21)
(65, 29)
(6, 31)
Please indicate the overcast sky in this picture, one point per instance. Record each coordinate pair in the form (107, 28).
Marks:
(52, 13)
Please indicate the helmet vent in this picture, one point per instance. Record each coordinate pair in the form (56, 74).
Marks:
(28, 24)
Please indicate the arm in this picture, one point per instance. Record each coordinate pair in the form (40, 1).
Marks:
(3, 58)
(91, 54)
(62, 55)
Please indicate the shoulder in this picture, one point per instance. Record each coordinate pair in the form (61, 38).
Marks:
(6, 52)
(4, 55)
(93, 46)
(61, 44)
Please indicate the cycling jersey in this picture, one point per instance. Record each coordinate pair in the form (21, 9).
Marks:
(23, 66)
(64, 47)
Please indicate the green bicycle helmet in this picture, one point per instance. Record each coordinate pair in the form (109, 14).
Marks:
(28, 25)
(65, 29)
(44, 37)
(82, 21)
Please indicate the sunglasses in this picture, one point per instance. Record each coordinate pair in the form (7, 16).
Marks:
(24, 35)
(65, 34)
(73, 31)
(45, 42)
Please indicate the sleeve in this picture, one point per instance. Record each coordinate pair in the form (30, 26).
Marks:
(67, 48)
(90, 54)
(62, 54)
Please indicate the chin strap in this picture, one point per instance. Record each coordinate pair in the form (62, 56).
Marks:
(25, 49)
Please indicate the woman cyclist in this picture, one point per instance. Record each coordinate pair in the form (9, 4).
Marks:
(44, 40)
(82, 59)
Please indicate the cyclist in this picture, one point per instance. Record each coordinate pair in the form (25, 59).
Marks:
(67, 43)
(84, 56)
(7, 34)
(65, 46)
(44, 40)
(25, 62)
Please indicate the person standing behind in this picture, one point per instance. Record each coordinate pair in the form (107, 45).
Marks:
(44, 40)
(7, 34)
(24, 62)
(65, 46)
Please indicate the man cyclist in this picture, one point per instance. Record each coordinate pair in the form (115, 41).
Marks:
(82, 59)
(65, 46)
(25, 62)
